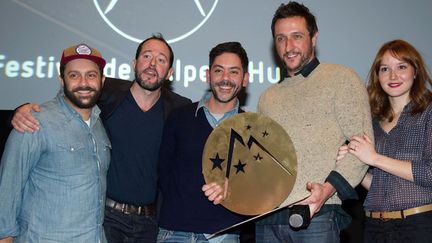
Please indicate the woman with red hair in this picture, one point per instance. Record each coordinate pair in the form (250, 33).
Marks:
(398, 205)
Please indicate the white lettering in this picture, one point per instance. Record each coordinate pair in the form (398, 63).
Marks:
(58, 68)
(40, 63)
(202, 73)
(27, 68)
(51, 64)
(124, 71)
(189, 74)
(2, 57)
(110, 70)
(177, 72)
(259, 72)
(277, 76)
(12, 68)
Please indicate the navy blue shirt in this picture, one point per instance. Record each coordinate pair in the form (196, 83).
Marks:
(143, 131)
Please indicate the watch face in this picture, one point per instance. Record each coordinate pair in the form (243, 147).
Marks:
(254, 159)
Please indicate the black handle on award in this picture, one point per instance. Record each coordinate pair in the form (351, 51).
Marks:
(299, 216)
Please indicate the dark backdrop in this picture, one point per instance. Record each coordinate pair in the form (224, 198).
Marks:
(4, 128)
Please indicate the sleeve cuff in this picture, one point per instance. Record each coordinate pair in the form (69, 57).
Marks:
(9, 232)
(343, 188)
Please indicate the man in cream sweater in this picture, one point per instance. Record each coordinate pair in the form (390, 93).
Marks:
(321, 106)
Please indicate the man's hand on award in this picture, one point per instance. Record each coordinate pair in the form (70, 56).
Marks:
(319, 195)
(214, 192)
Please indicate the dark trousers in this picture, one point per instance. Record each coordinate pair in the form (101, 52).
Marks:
(416, 229)
(129, 228)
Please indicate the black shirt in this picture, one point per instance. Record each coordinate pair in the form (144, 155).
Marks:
(135, 137)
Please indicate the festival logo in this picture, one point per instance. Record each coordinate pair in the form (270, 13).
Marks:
(136, 20)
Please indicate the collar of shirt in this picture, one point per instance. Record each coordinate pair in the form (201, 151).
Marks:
(308, 68)
(406, 112)
(408, 108)
(210, 118)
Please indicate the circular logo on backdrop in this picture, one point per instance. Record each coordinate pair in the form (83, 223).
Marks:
(137, 20)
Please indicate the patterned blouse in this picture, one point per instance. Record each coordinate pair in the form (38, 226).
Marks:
(409, 140)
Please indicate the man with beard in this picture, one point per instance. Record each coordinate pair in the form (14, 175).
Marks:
(186, 214)
(133, 114)
(320, 106)
(53, 181)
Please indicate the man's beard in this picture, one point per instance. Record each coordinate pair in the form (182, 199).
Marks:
(148, 86)
(305, 59)
(225, 83)
(70, 94)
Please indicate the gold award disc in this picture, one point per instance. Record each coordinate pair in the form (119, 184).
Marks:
(253, 157)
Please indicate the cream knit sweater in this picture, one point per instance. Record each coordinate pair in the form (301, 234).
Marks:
(319, 113)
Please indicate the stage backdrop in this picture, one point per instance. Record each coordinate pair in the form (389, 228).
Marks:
(33, 34)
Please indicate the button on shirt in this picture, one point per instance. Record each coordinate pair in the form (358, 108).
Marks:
(409, 140)
(53, 181)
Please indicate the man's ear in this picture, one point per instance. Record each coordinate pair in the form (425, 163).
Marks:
(314, 39)
(245, 79)
(169, 74)
(208, 75)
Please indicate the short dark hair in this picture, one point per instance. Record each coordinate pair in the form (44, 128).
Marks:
(230, 47)
(158, 37)
(295, 9)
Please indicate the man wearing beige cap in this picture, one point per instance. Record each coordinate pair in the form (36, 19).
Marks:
(53, 181)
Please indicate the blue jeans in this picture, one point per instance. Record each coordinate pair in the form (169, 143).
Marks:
(169, 236)
(122, 228)
(323, 229)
